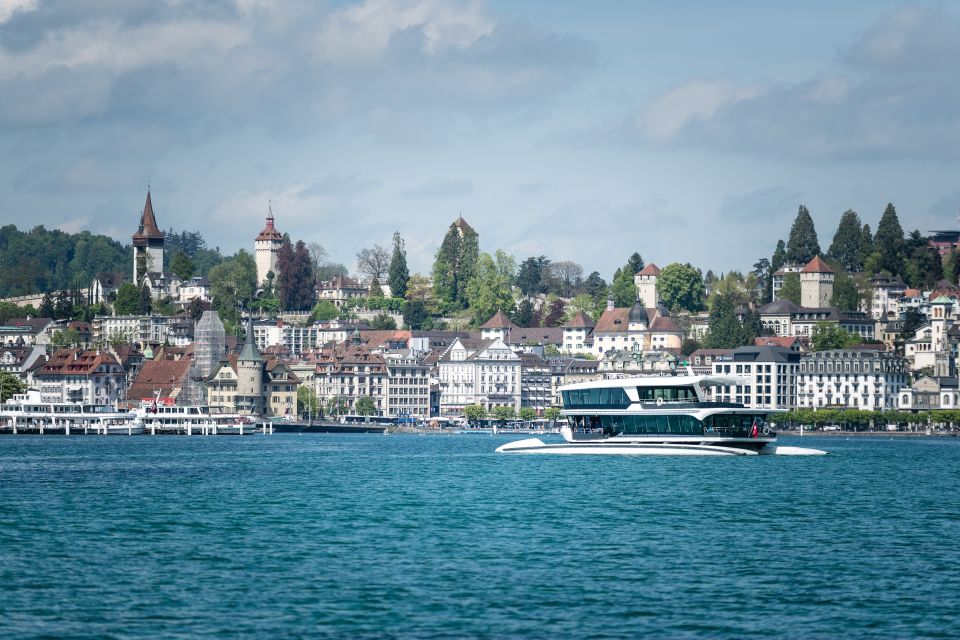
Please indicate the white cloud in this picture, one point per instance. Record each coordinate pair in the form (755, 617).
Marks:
(9, 7)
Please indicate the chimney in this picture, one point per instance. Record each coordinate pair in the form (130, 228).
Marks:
(609, 303)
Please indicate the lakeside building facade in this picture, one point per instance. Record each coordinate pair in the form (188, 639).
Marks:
(484, 372)
(80, 375)
(772, 371)
(866, 379)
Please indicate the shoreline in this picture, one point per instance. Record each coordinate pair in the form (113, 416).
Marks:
(869, 434)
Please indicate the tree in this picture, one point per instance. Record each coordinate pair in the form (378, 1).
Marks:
(923, 267)
(582, 302)
(490, 289)
(296, 283)
(474, 412)
(63, 306)
(414, 314)
(565, 277)
(318, 255)
(889, 242)
(399, 273)
(504, 413)
(324, 311)
(791, 288)
(365, 406)
(128, 299)
(383, 321)
(847, 247)
(47, 309)
(338, 405)
(779, 257)
(233, 284)
(182, 266)
(307, 402)
(724, 328)
(761, 271)
(524, 315)
(374, 262)
(848, 294)
(951, 267)
(66, 338)
(455, 264)
(375, 290)
(802, 245)
(10, 385)
(680, 287)
(552, 413)
(530, 277)
(829, 335)
(623, 288)
(595, 287)
(144, 300)
(555, 314)
(912, 321)
(688, 346)
(528, 413)
(635, 264)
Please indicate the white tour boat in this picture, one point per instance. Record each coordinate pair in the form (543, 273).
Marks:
(160, 418)
(29, 413)
(659, 415)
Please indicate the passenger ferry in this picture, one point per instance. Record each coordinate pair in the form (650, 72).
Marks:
(28, 413)
(659, 415)
(158, 418)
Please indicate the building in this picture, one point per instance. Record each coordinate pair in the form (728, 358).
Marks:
(866, 379)
(349, 371)
(266, 248)
(565, 371)
(635, 328)
(786, 318)
(84, 376)
(575, 333)
(196, 288)
(816, 284)
(945, 242)
(24, 332)
(535, 389)
(484, 372)
(249, 371)
(776, 280)
(147, 244)
(701, 360)
(294, 339)
(885, 297)
(646, 283)
(930, 393)
(620, 363)
(18, 360)
(772, 372)
(341, 289)
(498, 327)
(408, 383)
(162, 378)
(104, 287)
(143, 330)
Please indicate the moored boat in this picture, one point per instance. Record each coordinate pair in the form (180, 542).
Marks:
(29, 413)
(659, 415)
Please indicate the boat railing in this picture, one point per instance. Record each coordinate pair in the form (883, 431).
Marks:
(689, 404)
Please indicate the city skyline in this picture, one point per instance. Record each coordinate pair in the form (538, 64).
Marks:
(540, 124)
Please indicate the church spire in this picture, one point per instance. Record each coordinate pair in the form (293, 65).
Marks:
(148, 229)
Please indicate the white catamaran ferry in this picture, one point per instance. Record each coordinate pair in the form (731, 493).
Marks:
(655, 415)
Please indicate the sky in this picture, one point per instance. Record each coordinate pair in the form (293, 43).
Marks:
(689, 131)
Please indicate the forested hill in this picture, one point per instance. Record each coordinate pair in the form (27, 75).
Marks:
(44, 259)
(49, 259)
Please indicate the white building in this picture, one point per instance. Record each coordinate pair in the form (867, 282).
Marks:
(885, 299)
(637, 328)
(779, 276)
(864, 379)
(196, 288)
(485, 372)
(152, 329)
(77, 375)
(266, 248)
(408, 384)
(930, 393)
(575, 333)
(293, 338)
(772, 371)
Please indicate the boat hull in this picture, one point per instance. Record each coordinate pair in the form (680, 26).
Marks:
(537, 446)
(326, 427)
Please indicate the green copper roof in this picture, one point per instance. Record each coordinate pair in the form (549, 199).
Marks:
(249, 352)
(943, 300)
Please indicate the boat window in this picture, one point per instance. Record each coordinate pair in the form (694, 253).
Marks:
(604, 398)
(681, 394)
(653, 424)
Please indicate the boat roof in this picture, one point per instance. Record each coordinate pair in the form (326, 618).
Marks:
(660, 381)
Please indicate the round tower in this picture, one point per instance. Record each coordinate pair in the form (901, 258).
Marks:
(250, 396)
(266, 247)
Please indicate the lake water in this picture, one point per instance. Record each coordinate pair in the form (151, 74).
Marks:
(437, 536)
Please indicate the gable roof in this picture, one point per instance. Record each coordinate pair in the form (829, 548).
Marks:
(165, 375)
(498, 321)
(580, 320)
(775, 341)
(817, 265)
(76, 362)
(537, 335)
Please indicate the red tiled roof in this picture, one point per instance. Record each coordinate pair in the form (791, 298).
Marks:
(775, 341)
(270, 232)
(165, 376)
(77, 362)
(498, 321)
(650, 270)
(817, 265)
(580, 320)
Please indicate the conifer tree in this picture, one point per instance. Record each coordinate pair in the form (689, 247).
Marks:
(635, 264)
(889, 242)
(847, 246)
(623, 289)
(399, 274)
(455, 264)
(802, 245)
(951, 268)
(724, 328)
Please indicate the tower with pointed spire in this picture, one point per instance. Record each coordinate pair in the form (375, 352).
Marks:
(147, 244)
(250, 398)
(266, 248)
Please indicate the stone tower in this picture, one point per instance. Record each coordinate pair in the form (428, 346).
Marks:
(147, 244)
(646, 282)
(266, 248)
(250, 399)
(816, 285)
(939, 324)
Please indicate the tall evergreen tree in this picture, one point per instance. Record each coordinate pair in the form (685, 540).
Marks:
(923, 267)
(951, 268)
(802, 245)
(889, 242)
(724, 328)
(47, 309)
(399, 274)
(530, 277)
(145, 302)
(623, 289)
(847, 246)
(455, 264)
(295, 282)
(635, 264)
(182, 266)
(779, 257)
(866, 245)
(791, 288)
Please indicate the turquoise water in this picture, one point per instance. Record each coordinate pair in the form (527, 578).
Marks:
(432, 537)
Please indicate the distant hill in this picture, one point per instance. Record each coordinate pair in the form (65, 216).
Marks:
(49, 260)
